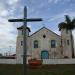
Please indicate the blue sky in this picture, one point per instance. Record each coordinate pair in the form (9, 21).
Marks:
(52, 12)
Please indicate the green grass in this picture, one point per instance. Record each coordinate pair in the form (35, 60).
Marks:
(44, 70)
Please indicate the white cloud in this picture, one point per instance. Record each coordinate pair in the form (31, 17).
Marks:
(54, 1)
(50, 1)
(6, 38)
(62, 1)
(11, 2)
(3, 10)
(57, 17)
(7, 29)
(4, 13)
(29, 26)
(61, 15)
(57, 32)
(68, 0)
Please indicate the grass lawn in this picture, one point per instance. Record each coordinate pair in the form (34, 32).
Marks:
(44, 70)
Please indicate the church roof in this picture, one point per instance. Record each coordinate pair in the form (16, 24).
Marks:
(45, 28)
(22, 28)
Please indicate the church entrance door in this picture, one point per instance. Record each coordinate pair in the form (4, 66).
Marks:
(44, 54)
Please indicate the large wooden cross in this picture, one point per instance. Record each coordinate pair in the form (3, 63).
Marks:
(25, 20)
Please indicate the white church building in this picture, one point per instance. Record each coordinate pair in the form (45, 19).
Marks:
(44, 44)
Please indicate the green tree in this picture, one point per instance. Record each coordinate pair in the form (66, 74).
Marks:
(69, 25)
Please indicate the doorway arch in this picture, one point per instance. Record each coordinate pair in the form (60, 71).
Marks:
(44, 54)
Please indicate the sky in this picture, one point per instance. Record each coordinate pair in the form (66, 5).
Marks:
(51, 11)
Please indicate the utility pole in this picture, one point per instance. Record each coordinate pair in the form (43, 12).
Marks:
(10, 50)
(25, 20)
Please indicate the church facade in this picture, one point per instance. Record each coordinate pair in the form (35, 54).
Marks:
(44, 44)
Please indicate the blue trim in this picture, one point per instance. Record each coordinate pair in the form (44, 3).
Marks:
(47, 54)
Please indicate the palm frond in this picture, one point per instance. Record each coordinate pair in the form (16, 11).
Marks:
(62, 25)
(67, 19)
(69, 25)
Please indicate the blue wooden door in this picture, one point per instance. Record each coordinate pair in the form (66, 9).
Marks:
(44, 55)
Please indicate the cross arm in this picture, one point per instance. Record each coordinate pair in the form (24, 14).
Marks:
(34, 19)
(25, 20)
(16, 20)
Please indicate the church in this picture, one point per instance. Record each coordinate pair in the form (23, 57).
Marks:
(44, 44)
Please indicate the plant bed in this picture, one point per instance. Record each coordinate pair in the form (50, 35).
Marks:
(34, 63)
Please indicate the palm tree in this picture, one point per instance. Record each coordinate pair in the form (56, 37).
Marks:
(69, 25)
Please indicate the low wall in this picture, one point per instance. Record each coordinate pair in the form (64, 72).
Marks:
(45, 61)
(7, 61)
(58, 61)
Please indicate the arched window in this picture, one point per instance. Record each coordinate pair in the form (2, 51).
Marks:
(53, 43)
(67, 42)
(21, 43)
(35, 43)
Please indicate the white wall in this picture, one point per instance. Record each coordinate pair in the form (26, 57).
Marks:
(58, 61)
(7, 61)
(67, 49)
(45, 43)
(45, 61)
(55, 61)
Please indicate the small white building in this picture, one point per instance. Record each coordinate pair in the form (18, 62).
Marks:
(44, 44)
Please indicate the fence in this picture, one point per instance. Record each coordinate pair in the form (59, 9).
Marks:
(58, 61)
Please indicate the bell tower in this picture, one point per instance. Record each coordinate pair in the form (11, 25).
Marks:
(19, 44)
(66, 43)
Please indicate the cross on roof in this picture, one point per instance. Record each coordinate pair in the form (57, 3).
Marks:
(25, 20)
